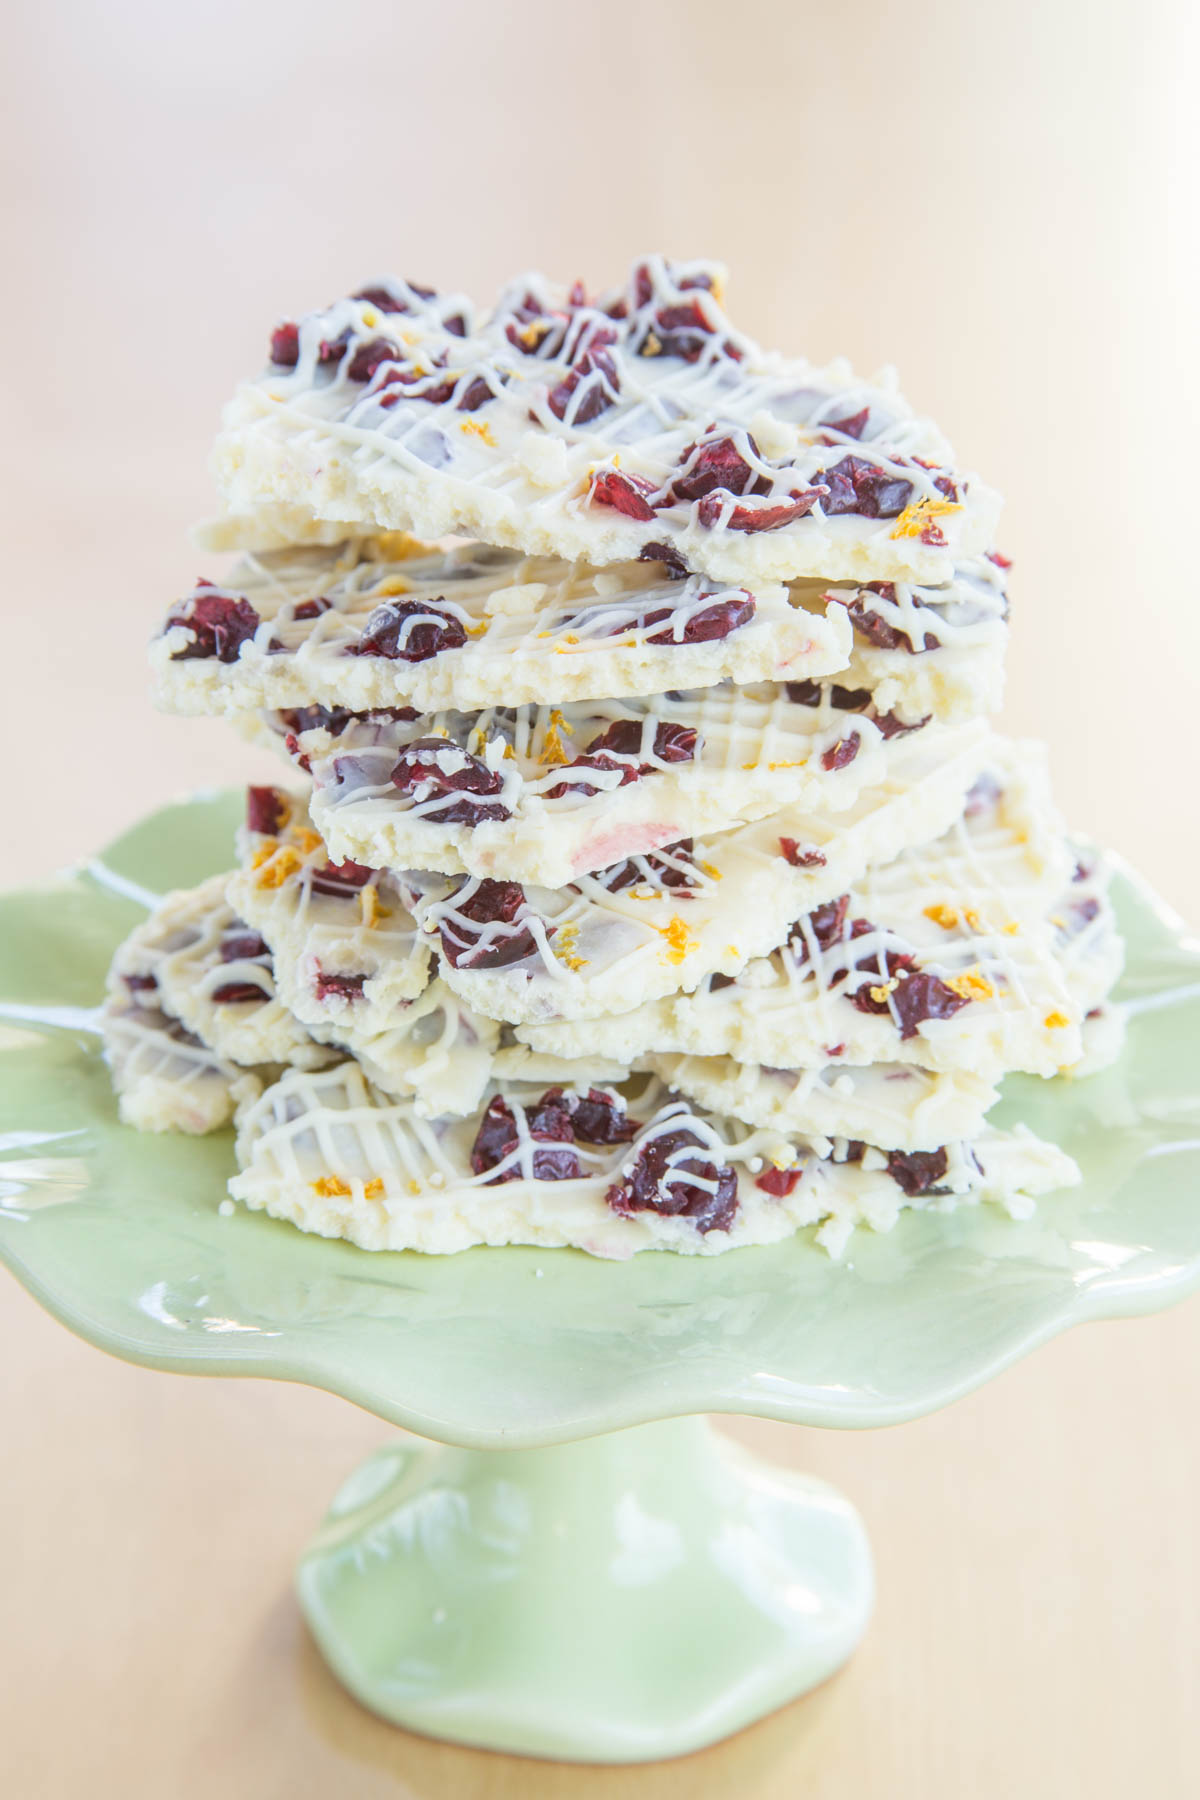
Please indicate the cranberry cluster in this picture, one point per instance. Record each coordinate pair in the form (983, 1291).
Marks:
(917, 996)
(492, 903)
(419, 773)
(409, 631)
(617, 745)
(220, 624)
(555, 1124)
(674, 1174)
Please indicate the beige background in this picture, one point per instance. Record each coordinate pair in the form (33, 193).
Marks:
(1000, 198)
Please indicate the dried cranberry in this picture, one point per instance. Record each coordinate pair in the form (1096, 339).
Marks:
(333, 719)
(665, 1178)
(285, 345)
(410, 631)
(718, 981)
(779, 1182)
(916, 1171)
(219, 623)
(498, 1137)
(826, 923)
(843, 753)
(492, 903)
(596, 373)
(706, 625)
(650, 866)
(596, 1118)
(716, 464)
(891, 726)
(872, 626)
(386, 301)
(681, 331)
(341, 987)
(624, 493)
(858, 486)
(419, 773)
(140, 984)
(312, 609)
(332, 350)
(340, 880)
(853, 427)
(240, 943)
(237, 993)
(371, 356)
(800, 859)
(623, 738)
(1001, 562)
(759, 518)
(922, 996)
(266, 810)
(476, 394)
(1080, 914)
(673, 564)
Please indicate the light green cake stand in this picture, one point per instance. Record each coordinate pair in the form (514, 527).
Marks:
(590, 1573)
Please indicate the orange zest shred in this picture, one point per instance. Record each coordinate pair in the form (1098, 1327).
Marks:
(330, 1187)
(971, 985)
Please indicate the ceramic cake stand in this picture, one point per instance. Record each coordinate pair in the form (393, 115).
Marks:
(589, 1572)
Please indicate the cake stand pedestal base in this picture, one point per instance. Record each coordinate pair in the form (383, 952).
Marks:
(616, 1600)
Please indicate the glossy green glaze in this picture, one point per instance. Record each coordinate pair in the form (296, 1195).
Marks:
(623, 1598)
(551, 1601)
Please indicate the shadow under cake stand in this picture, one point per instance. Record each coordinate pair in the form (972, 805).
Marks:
(588, 1572)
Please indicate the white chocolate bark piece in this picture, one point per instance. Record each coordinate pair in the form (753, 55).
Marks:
(1003, 968)
(655, 924)
(895, 1106)
(339, 933)
(333, 1156)
(386, 621)
(588, 429)
(214, 973)
(502, 630)
(544, 794)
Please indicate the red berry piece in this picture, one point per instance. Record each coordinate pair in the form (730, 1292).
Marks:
(599, 1118)
(704, 625)
(652, 868)
(779, 1183)
(410, 631)
(371, 356)
(800, 857)
(238, 993)
(758, 518)
(466, 940)
(917, 1171)
(712, 465)
(240, 943)
(340, 881)
(549, 1129)
(476, 394)
(673, 1174)
(852, 427)
(419, 773)
(266, 810)
(220, 624)
(673, 564)
(843, 753)
(338, 987)
(624, 493)
(858, 486)
(285, 345)
(922, 996)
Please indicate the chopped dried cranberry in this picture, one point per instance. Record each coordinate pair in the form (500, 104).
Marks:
(1001, 562)
(240, 943)
(476, 394)
(547, 1125)
(237, 993)
(800, 859)
(649, 865)
(712, 465)
(340, 880)
(266, 810)
(922, 996)
(673, 564)
(858, 486)
(456, 325)
(219, 623)
(872, 626)
(706, 625)
(285, 345)
(371, 356)
(419, 773)
(843, 753)
(681, 330)
(140, 984)
(624, 493)
(312, 609)
(718, 981)
(1080, 914)
(853, 427)
(332, 350)
(759, 518)
(623, 738)
(410, 631)
(594, 372)
(827, 925)
(597, 1118)
(386, 301)
(891, 726)
(333, 719)
(492, 903)
(916, 1171)
(340, 987)
(665, 1179)
(779, 1182)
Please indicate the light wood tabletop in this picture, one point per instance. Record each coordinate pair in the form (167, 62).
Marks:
(996, 197)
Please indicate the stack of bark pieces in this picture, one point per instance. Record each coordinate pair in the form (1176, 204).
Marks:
(648, 875)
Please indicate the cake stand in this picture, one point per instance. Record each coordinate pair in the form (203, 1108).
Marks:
(588, 1572)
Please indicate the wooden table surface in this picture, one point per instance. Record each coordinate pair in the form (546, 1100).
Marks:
(995, 197)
